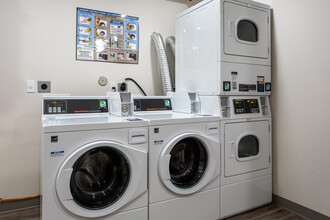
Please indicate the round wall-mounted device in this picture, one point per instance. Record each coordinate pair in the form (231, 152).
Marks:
(103, 81)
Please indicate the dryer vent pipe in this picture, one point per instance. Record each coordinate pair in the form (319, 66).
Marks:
(163, 62)
(171, 42)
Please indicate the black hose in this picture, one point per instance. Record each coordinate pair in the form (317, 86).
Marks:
(136, 85)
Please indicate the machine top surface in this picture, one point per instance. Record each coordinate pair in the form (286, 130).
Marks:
(158, 111)
(248, 3)
(78, 113)
(63, 124)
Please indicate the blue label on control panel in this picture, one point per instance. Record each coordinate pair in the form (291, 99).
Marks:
(57, 153)
(158, 142)
(261, 84)
(261, 88)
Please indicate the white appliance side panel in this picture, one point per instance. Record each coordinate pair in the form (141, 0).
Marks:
(245, 195)
(210, 105)
(203, 205)
(233, 133)
(232, 45)
(196, 50)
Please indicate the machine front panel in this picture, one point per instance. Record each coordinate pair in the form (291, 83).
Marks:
(245, 31)
(244, 79)
(75, 106)
(246, 106)
(247, 147)
(151, 105)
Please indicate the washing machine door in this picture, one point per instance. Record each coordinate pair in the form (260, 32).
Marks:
(101, 177)
(188, 163)
(246, 31)
(247, 147)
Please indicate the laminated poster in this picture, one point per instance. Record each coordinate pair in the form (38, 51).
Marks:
(107, 37)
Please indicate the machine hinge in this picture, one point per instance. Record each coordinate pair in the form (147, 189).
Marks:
(268, 50)
(269, 128)
(268, 20)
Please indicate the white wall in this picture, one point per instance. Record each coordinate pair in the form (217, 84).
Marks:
(38, 42)
(301, 102)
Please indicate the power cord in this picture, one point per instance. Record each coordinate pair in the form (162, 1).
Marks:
(136, 85)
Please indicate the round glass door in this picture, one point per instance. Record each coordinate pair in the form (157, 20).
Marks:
(247, 31)
(188, 162)
(99, 178)
(248, 146)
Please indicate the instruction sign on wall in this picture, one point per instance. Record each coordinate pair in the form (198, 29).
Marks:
(107, 37)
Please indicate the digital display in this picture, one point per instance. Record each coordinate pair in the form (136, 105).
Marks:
(247, 87)
(242, 106)
(75, 106)
(152, 104)
(87, 106)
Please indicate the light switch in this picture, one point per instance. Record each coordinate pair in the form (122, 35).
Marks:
(30, 86)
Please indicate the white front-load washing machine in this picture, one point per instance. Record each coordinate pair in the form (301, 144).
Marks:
(246, 154)
(184, 161)
(94, 165)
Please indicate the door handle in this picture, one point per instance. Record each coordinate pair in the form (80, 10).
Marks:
(212, 128)
(138, 136)
(232, 149)
(231, 28)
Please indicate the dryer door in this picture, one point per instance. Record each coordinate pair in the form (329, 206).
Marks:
(99, 178)
(247, 147)
(188, 162)
(246, 31)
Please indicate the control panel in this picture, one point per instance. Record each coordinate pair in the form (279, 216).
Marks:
(75, 106)
(243, 106)
(159, 104)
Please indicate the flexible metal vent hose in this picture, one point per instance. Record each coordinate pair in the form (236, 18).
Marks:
(171, 41)
(163, 62)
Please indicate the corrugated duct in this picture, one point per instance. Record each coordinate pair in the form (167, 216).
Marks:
(171, 41)
(163, 62)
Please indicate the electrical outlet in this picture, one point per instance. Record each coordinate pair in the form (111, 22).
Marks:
(118, 87)
(44, 86)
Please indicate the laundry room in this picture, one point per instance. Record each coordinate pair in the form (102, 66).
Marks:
(71, 110)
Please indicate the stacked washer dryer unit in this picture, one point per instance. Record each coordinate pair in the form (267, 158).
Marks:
(94, 164)
(223, 53)
(184, 161)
